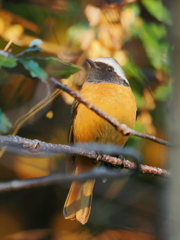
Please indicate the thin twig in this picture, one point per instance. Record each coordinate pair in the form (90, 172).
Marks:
(38, 147)
(97, 173)
(113, 121)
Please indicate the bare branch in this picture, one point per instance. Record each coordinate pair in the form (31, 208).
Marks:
(97, 173)
(113, 121)
(39, 148)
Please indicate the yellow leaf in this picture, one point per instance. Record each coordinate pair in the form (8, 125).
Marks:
(93, 15)
(15, 31)
(127, 18)
(121, 56)
(2, 25)
(50, 114)
(97, 50)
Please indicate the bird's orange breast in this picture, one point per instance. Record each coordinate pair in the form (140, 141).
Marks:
(117, 101)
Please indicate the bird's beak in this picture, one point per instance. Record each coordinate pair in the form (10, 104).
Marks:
(92, 64)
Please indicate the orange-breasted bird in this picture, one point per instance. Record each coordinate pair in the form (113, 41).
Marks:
(106, 87)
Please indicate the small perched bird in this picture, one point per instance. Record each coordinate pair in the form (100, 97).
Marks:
(106, 87)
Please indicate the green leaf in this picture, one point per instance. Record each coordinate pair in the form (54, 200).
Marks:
(42, 68)
(158, 10)
(139, 99)
(163, 92)
(28, 51)
(134, 71)
(5, 124)
(75, 31)
(33, 48)
(7, 60)
(135, 7)
(56, 67)
(153, 37)
(139, 127)
(34, 69)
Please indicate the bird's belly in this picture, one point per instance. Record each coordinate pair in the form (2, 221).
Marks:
(117, 101)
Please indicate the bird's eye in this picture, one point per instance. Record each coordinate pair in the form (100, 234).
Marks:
(110, 69)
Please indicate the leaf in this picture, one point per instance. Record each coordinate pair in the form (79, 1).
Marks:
(75, 31)
(5, 124)
(156, 9)
(135, 8)
(7, 60)
(29, 50)
(56, 67)
(34, 69)
(155, 46)
(163, 92)
(153, 37)
(42, 68)
(33, 48)
(134, 71)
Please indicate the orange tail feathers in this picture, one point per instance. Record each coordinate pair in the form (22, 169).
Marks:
(78, 202)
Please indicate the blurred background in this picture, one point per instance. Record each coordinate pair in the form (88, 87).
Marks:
(134, 33)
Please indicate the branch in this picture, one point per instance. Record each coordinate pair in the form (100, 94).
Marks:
(35, 147)
(97, 173)
(113, 121)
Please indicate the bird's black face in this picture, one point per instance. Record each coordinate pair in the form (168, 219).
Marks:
(101, 72)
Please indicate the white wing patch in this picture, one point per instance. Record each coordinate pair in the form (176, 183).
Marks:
(113, 63)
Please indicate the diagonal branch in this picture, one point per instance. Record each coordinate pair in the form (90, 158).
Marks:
(36, 147)
(113, 121)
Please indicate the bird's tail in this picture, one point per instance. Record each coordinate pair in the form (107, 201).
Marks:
(78, 202)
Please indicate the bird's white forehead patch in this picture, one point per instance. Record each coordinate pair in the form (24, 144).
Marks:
(113, 63)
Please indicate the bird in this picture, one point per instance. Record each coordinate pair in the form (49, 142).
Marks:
(107, 87)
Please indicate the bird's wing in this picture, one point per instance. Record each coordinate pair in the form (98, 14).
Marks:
(70, 162)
